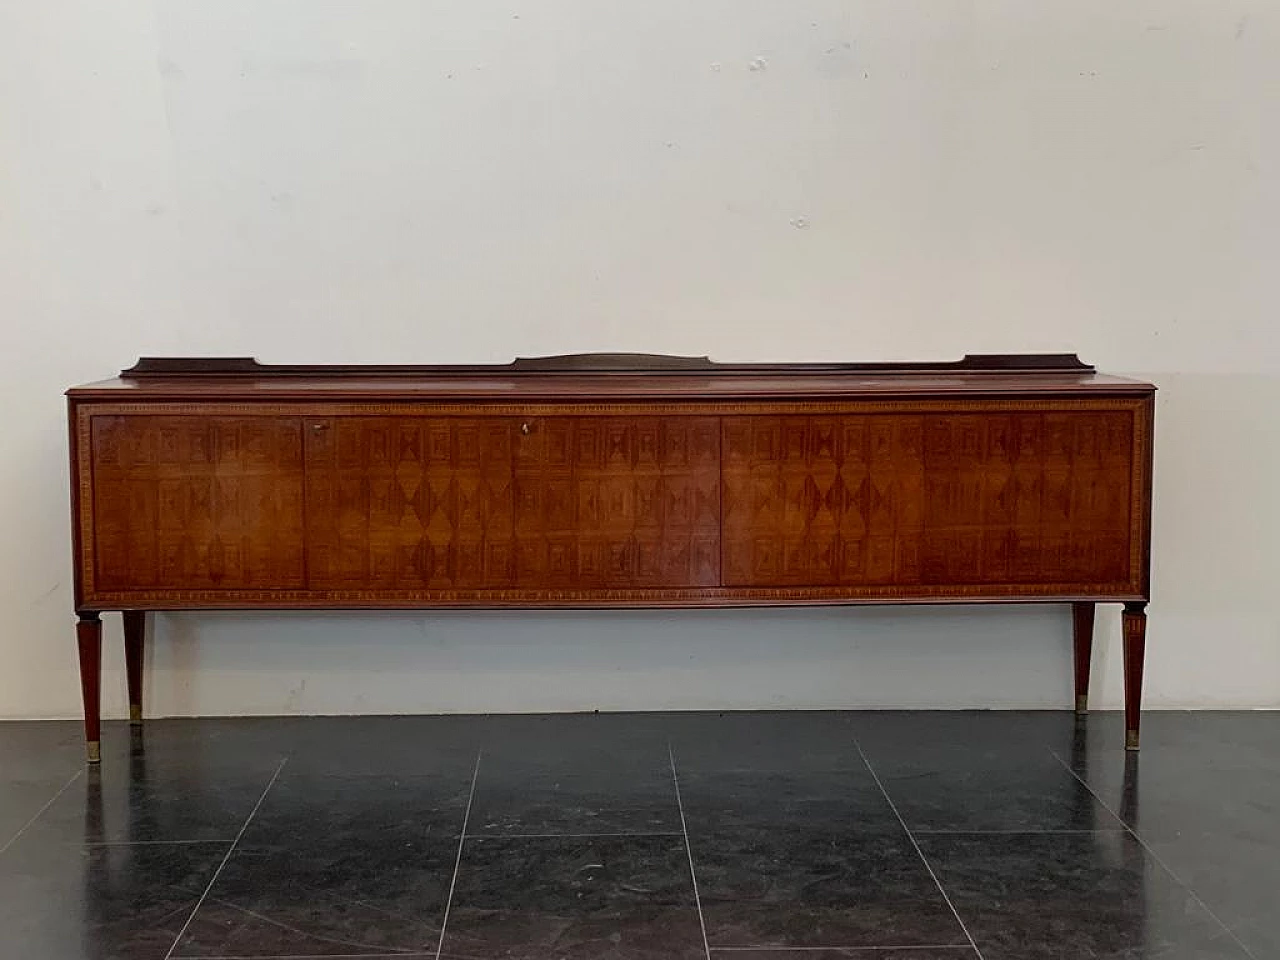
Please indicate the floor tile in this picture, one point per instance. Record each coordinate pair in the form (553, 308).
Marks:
(1207, 735)
(224, 745)
(1062, 897)
(573, 775)
(122, 902)
(840, 800)
(579, 741)
(376, 894)
(1166, 792)
(304, 810)
(600, 802)
(798, 853)
(1237, 877)
(124, 803)
(337, 865)
(1204, 793)
(808, 859)
(387, 745)
(886, 735)
(992, 793)
(22, 802)
(763, 742)
(40, 750)
(575, 898)
(801, 885)
(981, 771)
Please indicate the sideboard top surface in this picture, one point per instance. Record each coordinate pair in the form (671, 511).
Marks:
(598, 377)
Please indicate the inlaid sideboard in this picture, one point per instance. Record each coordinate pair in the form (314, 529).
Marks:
(609, 480)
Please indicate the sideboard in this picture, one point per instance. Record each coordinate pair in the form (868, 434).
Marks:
(609, 480)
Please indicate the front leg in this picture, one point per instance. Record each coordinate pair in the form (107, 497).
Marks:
(89, 640)
(135, 635)
(1135, 646)
(1082, 631)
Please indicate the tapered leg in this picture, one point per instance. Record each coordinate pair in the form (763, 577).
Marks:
(1135, 647)
(1082, 623)
(135, 635)
(89, 639)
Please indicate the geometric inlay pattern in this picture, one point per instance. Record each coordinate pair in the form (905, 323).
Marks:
(197, 502)
(977, 502)
(618, 502)
(409, 502)
(918, 499)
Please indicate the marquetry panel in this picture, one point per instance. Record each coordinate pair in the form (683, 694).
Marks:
(409, 502)
(192, 502)
(930, 499)
(615, 502)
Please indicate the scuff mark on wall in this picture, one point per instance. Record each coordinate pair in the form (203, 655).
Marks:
(44, 596)
(293, 703)
(169, 69)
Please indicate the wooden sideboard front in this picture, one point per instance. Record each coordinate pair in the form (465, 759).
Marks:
(605, 481)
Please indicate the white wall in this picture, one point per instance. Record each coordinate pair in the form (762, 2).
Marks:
(472, 180)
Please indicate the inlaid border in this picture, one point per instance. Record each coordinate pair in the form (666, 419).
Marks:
(631, 408)
(657, 597)
(1136, 588)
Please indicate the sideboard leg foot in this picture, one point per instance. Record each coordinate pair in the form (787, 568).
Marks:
(135, 635)
(1135, 645)
(1082, 630)
(89, 640)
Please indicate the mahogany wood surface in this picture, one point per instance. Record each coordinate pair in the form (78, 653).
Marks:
(610, 480)
(409, 503)
(607, 502)
(1134, 629)
(135, 634)
(1082, 617)
(89, 647)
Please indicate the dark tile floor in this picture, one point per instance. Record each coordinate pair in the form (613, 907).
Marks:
(761, 836)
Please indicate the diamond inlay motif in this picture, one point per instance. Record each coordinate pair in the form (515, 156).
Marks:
(921, 498)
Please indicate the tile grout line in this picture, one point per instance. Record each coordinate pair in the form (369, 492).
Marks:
(568, 836)
(817, 950)
(910, 836)
(315, 956)
(688, 848)
(39, 813)
(230, 850)
(1013, 833)
(1155, 856)
(457, 863)
(144, 843)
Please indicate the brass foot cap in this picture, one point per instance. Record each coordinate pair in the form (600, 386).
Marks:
(135, 713)
(93, 751)
(1131, 740)
(1082, 703)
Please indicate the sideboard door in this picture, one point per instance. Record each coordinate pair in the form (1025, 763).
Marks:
(409, 503)
(823, 500)
(205, 503)
(621, 503)
(999, 503)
